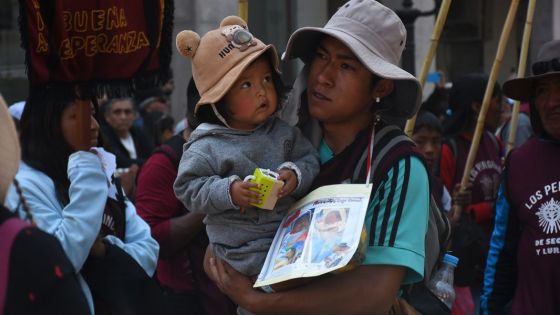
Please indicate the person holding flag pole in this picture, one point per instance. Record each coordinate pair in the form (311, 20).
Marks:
(483, 179)
(522, 275)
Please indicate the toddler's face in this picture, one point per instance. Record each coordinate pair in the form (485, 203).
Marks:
(252, 98)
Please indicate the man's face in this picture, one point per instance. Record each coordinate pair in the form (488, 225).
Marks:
(339, 87)
(547, 103)
(121, 115)
(494, 113)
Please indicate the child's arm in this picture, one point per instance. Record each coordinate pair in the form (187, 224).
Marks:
(198, 186)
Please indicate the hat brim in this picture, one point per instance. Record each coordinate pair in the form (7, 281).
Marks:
(406, 98)
(9, 150)
(521, 88)
(217, 92)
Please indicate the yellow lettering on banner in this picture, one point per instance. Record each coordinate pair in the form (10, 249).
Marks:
(122, 18)
(102, 42)
(91, 46)
(42, 45)
(67, 20)
(112, 18)
(65, 49)
(142, 41)
(78, 43)
(97, 19)
(131, 41)
(113, 46)
(40, 23)
(35, 4)
(122, 43)
(80, 21)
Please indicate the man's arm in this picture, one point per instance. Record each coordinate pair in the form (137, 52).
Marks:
(501, 266)
(367, 289)
(395, 252)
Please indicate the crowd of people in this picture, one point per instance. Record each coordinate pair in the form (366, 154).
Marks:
(142, 219)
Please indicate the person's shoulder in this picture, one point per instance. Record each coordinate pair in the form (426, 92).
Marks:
(526, 150)
(28, 176)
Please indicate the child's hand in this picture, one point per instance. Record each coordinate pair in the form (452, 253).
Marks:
(289, 178)
(242, 196)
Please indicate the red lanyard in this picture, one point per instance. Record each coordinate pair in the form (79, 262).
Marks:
(370, 154)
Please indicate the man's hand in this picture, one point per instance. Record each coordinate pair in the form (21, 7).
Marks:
(128, 180)
(462, 198)
(289, 178)
(242, 196)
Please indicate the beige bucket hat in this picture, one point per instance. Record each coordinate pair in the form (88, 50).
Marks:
(377, 37)
(546, 65)
(221, 56)
(9, 150)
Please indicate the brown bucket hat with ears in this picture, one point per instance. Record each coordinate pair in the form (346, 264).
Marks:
(9, 150)
(221, 56)
(546, 65)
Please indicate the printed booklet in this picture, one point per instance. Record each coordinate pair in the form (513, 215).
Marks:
(320, 234)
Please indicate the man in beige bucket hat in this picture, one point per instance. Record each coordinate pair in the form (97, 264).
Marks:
(522, 267)
(345, 100)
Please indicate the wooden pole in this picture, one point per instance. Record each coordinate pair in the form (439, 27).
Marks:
(3, 101)
(84, 122)
(244, 10)
(521, 72)
(440, 22)
(488, 93)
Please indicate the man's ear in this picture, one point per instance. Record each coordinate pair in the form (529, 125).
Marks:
(383, 88)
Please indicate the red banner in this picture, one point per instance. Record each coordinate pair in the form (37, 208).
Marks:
(70, 41)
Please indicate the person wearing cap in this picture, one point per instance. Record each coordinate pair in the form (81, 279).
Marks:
(522, 267)
(68, 190)
(237, 78)
(351, 82)
(36, 276)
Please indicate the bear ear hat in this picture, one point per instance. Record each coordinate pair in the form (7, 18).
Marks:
(187, 43)
(233, 20)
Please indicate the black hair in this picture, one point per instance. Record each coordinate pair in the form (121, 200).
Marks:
(107, 104)
(163, 123)
(192, 98)
(42, 141)
(426, 119)
(466, 91)
(205, 113)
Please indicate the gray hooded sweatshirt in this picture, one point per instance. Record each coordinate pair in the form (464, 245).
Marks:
(216, 156)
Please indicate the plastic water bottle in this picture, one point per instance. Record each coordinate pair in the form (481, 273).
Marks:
(441, 283)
